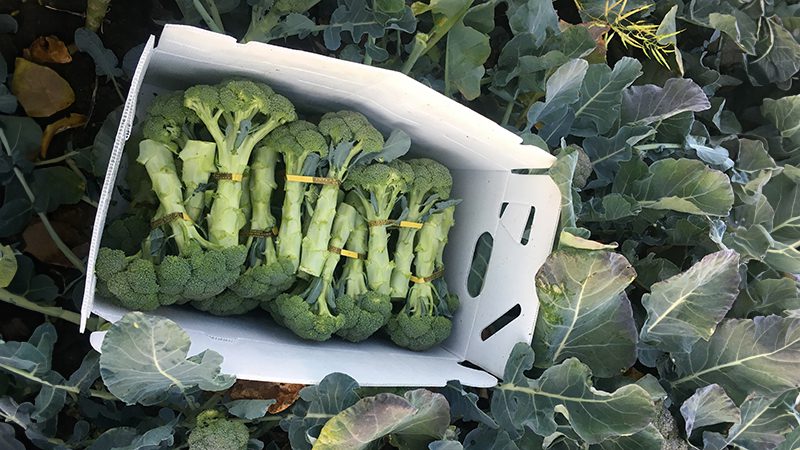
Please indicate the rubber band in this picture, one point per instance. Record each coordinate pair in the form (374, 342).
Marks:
(312, 180)
(419, 280)
(260, 233)
(407, 224)
(169, 218)
(346, 253)
(237, 177)
(380, 223)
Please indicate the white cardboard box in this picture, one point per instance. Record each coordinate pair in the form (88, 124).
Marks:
(481, 155)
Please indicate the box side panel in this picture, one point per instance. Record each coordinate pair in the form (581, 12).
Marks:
(254, 348)
(458, 136)
(506, 309)
(123, 132)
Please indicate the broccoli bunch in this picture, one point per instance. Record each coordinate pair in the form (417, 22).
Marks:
(424, 321)
(214, 431)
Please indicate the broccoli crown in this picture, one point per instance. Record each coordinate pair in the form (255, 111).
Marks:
(126, 233)
(213, 270)
(296, 140)
(303, 319)
(379, 185)
(136, 287)
(417, 331)
(228, 303)
(166, 118)
(109, 262)
(173, 274)
(215, 432)
(265, 281)
(362, 318)
(202, 99)
(351, 126)
(244, 96)
(430, 178)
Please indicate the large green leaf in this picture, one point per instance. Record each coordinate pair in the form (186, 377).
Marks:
(144, 361)
(467, 50)
(563, 173)
(783, 193)
(784, 113)
(601, 95)
(532, 16)
(709, 405)
(608, 153)
(685, 185)
(420, 416)
(687, 307)
(763, 424)
(553, 117)
(595, 416)
(759, 355)
(764, 297)
(777, 56)
(650, 103)
(648, 438)
(584, 312)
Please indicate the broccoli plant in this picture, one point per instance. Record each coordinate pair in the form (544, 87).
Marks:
(424, 320)
(431, 183)
(349, 134)
(312, 315)
(377, 187)
(364, 311)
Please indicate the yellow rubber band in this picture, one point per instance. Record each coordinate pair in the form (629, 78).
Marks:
(346, 253)
(419, 280)
(406, 224)
(260, 233)
(169, 218)
(312, 180)
(237, 177)
(379, 223)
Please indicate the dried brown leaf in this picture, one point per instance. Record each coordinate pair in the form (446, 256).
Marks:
(284, 394)
(47, 49)
(65, 123)
(39, 89)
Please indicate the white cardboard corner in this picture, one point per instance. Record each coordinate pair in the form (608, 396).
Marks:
(481, 155)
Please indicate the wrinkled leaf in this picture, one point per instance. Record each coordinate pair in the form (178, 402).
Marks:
(649, 103)
(249, 409)
(463, 405)
(39, 89)
(144, 360)
(601, 96)
(764, 422)
(48, 49)
(685, 185)
(709, 405)
(584, 312)
(467, 51)
(784, 113)
(648, 438)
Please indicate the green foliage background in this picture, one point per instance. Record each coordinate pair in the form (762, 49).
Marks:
(670, 315)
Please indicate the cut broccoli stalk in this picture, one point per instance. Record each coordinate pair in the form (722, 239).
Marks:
(349, 134)
(302, 146)
(238, 114)
(423, 322)
(312, 315)
(377, 187)
(267, 275)
(364, 311)
(432, 182)
(198, 163)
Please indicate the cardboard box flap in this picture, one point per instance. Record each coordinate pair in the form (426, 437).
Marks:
(242, 341)
(462, 138)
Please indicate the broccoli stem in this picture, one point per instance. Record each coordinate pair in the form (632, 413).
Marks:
(432, 238)
(226, 217)
(291, 230)
(198, 163)
(379, 268)
(262, 183)
(343, 226)
(315, 242)
(353, 278)
(157, 160)
(404, 251)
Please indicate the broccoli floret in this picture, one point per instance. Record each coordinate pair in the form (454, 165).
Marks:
(378, 187)
(227, 303)
(312, 315)
(431, 183)
(126, 233)
(238, 114)
(168, 120)
(363, 316)
(302, 146)
(213, 431)
(110, 262)
(136, 287)
(213, 271)
(424, 320)
(349, 135)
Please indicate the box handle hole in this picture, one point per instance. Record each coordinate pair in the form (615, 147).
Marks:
(503, 207)
(501, 322)
(526, 233)
(480, 263)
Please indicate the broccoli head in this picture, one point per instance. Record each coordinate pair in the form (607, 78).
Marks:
(228, 303)
(136, 287)
(167, 119)
(213, 270)
(363, 316)
(214, 431)
(417, 331)
(126, 233)
(309, 321)
(265, 281)
(110, 262)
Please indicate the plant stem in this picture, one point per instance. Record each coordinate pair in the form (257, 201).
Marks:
(437, 33)
(62, 387)
(42, 216)
(52, 311)
(55, 160)
(215, 27)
